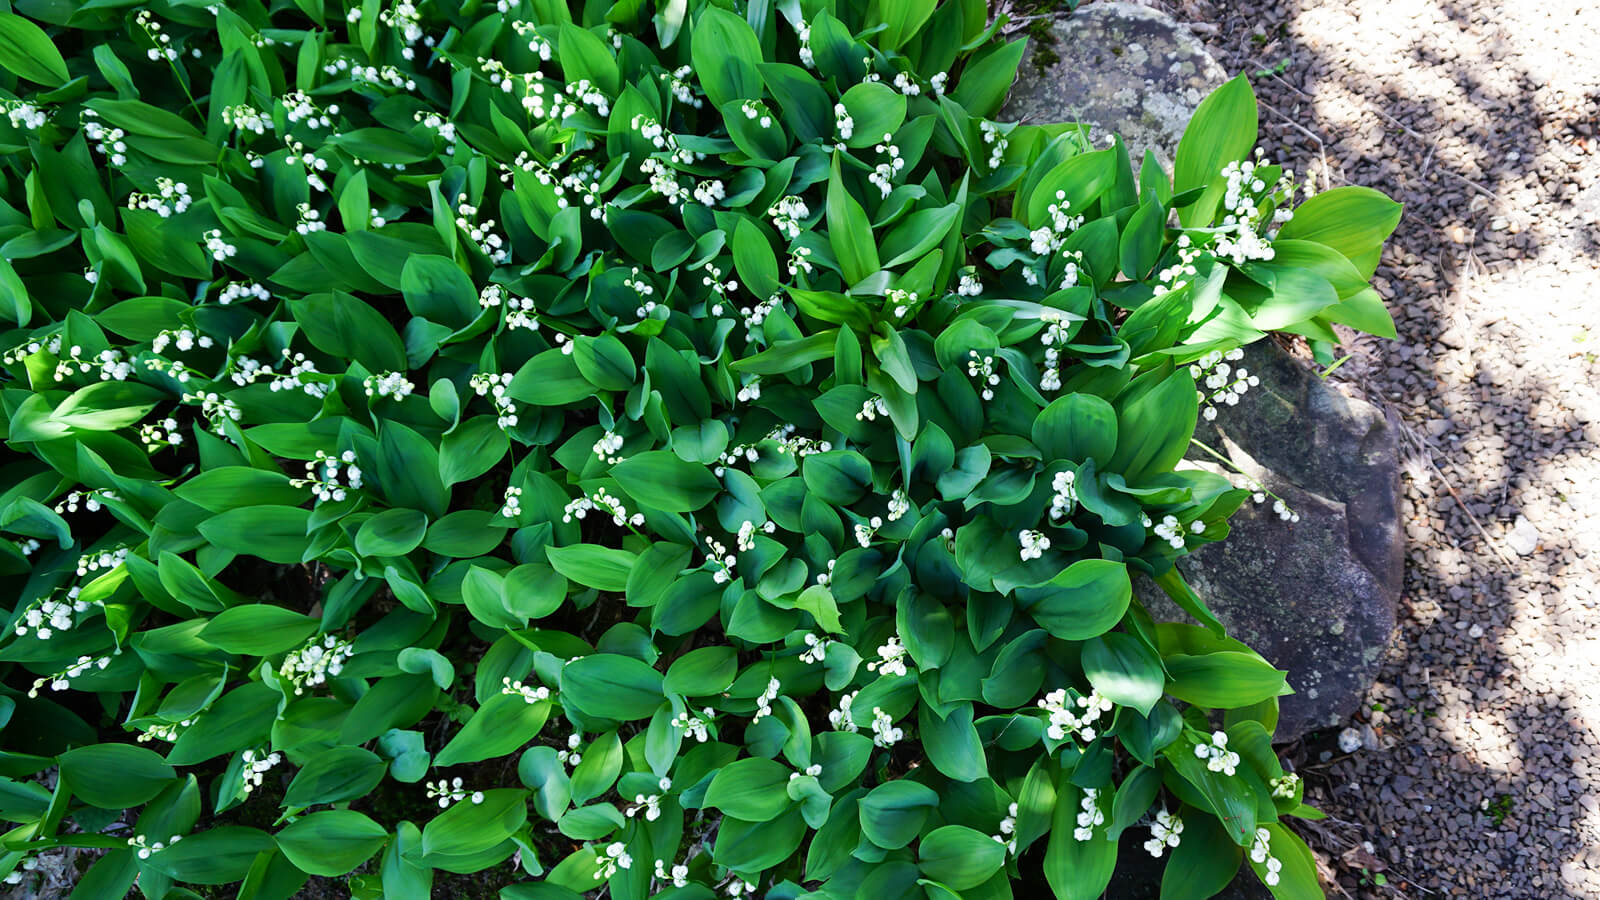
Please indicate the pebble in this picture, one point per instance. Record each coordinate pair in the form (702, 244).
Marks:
(1523, 538)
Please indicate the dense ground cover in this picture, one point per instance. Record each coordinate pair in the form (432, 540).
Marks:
(693, 450)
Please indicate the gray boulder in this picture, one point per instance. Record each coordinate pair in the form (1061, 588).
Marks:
(1119, 67)
(1316, 597)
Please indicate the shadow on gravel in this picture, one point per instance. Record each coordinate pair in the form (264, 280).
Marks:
(1446, 119)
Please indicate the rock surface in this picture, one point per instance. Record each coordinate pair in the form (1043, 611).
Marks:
(1316, 597)
(1122, 68)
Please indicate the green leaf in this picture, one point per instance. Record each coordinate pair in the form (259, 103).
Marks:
(216, 856)
(752, 790)
(608, 685)
(1153, 430)
(1122, 668)
(1084, 601)
(502, 724)
(14, 303)
(335, 775)
(987, 80)
(1203, 863)
(592, 565)
(959, 857)
(875, 109)
(331, 842)
(1353, 220)
(893, 812)
(339, 324)
(702, 672)
(393, 532)
(26, 51)
(660, 479)
(1223, 130)
(274, 533)
(726, 56)
(436, 289)
(258, 630)
(422, 661)
(227, 487)
(849, 230)
(474, 825)
(1076, 427)
(1076, 870)
(115, 776)
(1226, 679)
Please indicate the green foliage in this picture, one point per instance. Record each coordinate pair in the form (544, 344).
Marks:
(706, 417)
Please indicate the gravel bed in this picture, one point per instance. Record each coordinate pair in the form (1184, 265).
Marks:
(1480, 763)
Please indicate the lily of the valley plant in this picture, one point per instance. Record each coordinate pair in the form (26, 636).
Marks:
(653, 448)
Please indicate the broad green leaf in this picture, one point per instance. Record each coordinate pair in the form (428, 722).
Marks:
(115, 776)
(611, 686)
(660, 479)
(258, 629)
(849, 231)
(1226, 679)
(959, 857)
(25, 50)
(1222, 130)
(331, 842)
(1084, 601)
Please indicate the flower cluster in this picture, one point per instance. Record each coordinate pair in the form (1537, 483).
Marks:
(816, 648)
(1034, 544)
(62, 680)
(982, 368)
(788, 215)
(764, 702)
(1090, 815)
(1217, 755)
(996, 139)
(1064, 496)
(105, 559)
(528, 693)
(243, 291)
(1008, 831)
(1171, 530)
(1164, 831)
(448, 792)
(1048, 239)
(717, 554)
(1284, 786)
(613, 858)
(388, 384)
(696, 726)
(884, 173)
(1227, 384)
(494, 386)
(570, 756)
(842, 121)
(171, 198)
(254, 768)
(23, 114)
(746, 539)
(219, 249)
(323, 475)
(891, 659)
(884, 732)
(1261, 854)
(1064, 721)
(603, 501)
(871, 409)
(217, 409)
(143, 846)
(865, 531)
(312, 664)
(841, 719)
(679, 876)
(650, 803)
(511, 502)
